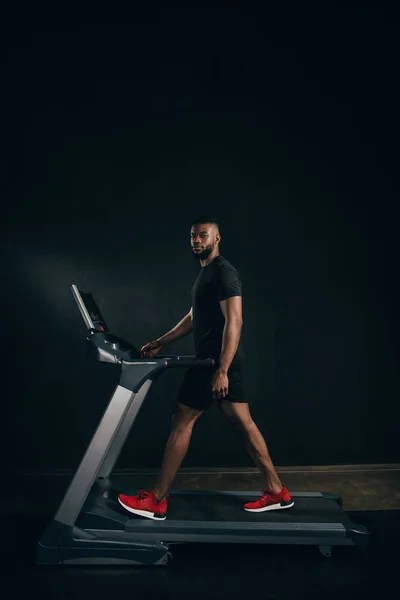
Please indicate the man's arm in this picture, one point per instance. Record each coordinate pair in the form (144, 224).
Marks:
(232, 311)
(182, 329)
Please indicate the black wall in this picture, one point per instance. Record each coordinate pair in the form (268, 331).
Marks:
(116, 134)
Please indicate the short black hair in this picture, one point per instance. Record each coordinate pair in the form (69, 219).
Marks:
(206, 219)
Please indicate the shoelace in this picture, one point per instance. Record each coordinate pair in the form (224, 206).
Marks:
(143, 495)
(268, 494)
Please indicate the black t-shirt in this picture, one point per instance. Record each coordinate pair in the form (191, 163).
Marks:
(216, 281)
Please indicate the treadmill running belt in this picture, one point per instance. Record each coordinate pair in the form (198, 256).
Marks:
(230, 508)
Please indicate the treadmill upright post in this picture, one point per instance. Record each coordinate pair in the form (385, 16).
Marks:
(123, 431)
(93, 458)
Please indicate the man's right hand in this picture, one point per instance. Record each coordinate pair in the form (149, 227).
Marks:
(150, 349)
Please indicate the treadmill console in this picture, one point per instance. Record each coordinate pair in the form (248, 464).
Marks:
(101, 345)
(106, 347)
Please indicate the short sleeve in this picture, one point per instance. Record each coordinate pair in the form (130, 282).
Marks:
(228, 283)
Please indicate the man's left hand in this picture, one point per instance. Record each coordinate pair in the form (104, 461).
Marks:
(220, 384)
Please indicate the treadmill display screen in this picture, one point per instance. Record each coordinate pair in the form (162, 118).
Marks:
(94, 312)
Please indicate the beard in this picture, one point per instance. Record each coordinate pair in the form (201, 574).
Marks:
(203, 254)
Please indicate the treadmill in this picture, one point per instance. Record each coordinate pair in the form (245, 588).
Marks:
(92, 528)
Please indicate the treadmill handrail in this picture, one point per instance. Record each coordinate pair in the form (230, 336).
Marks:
(174, 361)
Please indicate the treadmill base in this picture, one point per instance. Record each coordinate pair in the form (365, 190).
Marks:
(104, 533)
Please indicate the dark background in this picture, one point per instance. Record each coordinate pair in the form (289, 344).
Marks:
(117, 132)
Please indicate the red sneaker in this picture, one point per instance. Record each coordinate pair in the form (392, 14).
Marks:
(271, 501)
(145, 504)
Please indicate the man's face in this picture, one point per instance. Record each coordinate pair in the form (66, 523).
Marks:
(204, 237)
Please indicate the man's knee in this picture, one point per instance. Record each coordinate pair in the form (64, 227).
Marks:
(245, 425)
(238, 415)
(184, 418)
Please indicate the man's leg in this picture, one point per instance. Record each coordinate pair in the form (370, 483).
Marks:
(239, 415)
(178, 443)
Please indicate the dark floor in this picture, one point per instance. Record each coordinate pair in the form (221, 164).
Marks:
(216, 571)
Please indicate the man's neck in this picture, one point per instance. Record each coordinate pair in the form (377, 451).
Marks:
(208, 260)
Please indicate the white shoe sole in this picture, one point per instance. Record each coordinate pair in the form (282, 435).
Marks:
(142, 513)
(270, 507)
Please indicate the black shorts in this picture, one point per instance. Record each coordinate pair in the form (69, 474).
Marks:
(196, 388)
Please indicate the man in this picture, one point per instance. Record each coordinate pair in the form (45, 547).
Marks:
(216, 321)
